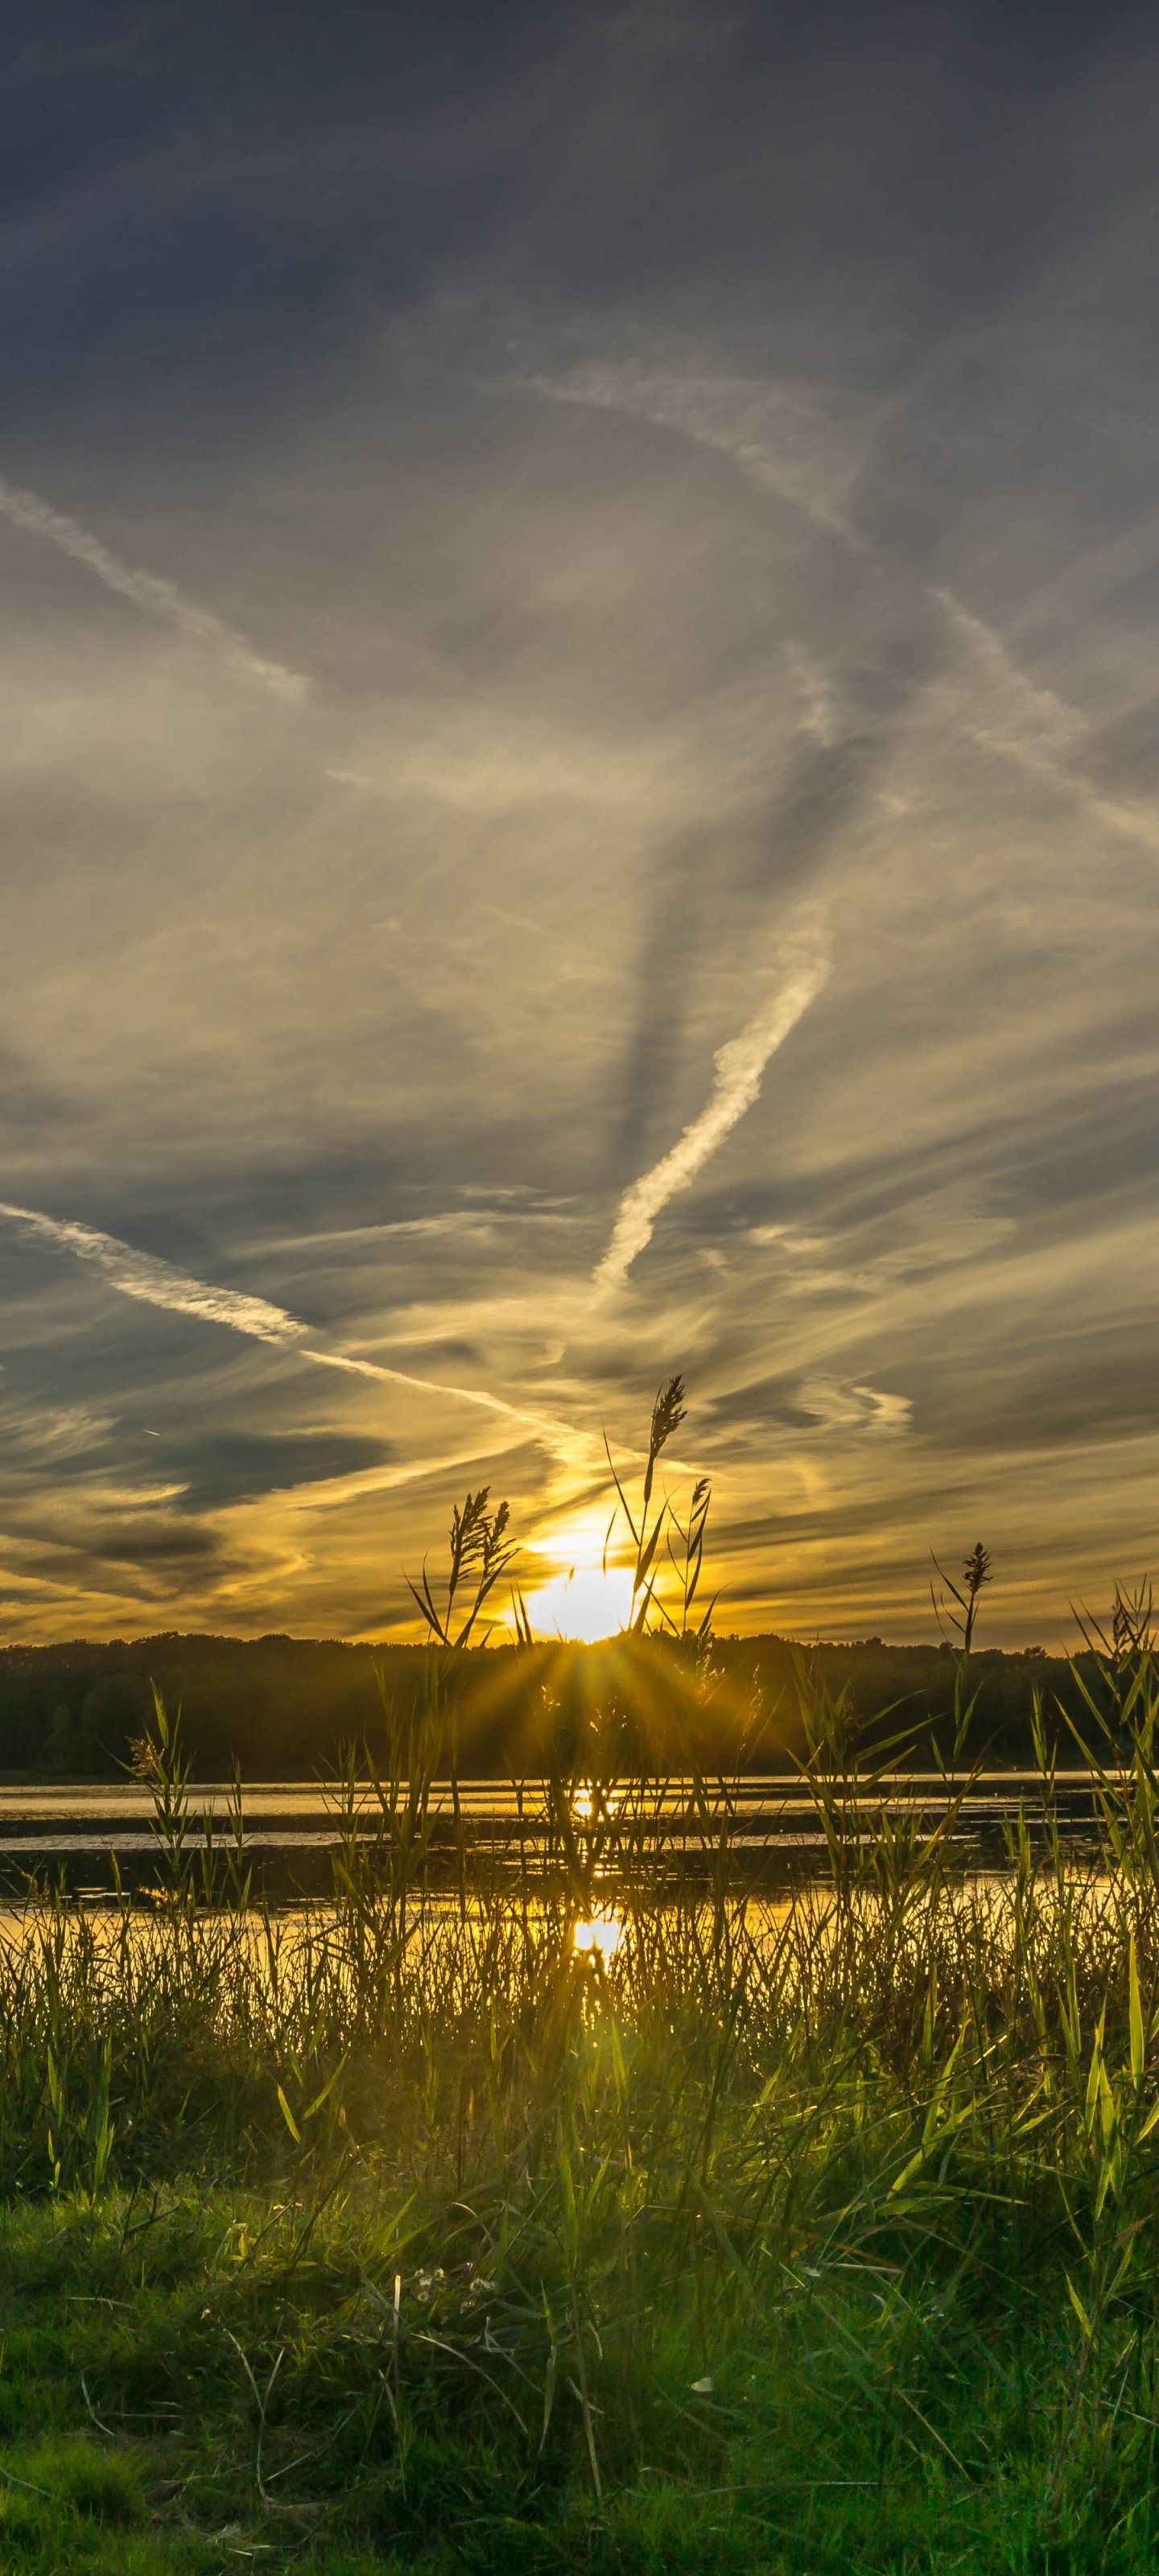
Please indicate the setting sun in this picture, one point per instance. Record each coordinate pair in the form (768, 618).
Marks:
(585, 1604)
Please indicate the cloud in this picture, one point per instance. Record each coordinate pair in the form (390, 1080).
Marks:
(56, 59)
(155, 597)
(808, 445)
(158, 1283)
(740, 1064)
(837, 1405)
(1033, 726)
(789, 438)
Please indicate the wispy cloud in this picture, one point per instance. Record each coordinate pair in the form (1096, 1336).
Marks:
(1033, 726)
(808, 445)
(837, 1405)
(159, 1283)
(740, 1064)
(146, 591)
(55, 59)
(1036, 728)
(788, 438)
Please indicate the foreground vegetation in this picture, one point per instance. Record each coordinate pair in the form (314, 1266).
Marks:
(621, 2219)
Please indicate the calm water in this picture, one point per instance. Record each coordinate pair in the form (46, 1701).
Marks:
(46, 1821)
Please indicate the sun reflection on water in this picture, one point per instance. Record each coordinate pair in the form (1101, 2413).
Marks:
(587, 1802)
(598, 1937)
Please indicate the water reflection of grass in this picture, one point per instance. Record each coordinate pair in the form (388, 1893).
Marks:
(582, 2220)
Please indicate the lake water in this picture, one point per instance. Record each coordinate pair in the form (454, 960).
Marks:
(82, 1829)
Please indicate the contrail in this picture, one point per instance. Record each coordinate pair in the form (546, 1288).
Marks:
(556, 1433)
(739, 1066)
(158, 598)
(158, 1283)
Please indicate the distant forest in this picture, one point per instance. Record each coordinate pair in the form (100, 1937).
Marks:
(286, 1708)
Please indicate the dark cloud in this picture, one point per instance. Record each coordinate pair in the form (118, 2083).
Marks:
(29, 1104)
(144, 1545)
(240, 1467)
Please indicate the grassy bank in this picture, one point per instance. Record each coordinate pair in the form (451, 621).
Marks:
(410, 2233)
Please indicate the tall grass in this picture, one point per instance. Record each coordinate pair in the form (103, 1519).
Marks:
(603, 2212)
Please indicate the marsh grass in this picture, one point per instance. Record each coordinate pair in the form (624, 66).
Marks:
(789, 2236)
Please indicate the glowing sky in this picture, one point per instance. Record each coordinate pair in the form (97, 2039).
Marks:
(579, 646)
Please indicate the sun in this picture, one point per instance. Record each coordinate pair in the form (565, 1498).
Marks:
(583, 1605)
(583, 1598)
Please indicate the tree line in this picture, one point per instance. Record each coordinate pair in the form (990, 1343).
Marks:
(286, 1707)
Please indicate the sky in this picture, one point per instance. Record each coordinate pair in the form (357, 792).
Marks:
(579, 653)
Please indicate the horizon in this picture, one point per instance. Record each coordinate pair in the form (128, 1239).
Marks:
(580, 640)
(508, 1642)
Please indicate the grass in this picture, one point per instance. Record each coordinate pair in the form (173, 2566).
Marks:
(405, 2234)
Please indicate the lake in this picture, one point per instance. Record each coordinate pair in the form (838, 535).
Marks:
(84, 1831)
